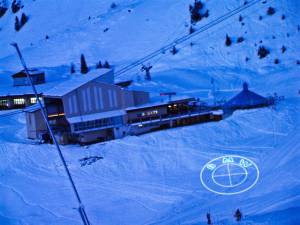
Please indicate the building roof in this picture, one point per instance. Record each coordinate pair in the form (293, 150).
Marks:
(246, 99)
(33, 72)
(95, 116)
(77, 81)
(176, 99)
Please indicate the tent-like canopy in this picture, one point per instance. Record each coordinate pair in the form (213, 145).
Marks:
(246, 99)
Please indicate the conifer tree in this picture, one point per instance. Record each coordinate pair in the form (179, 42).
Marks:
(83, 66)
(228, 41)
(17, 24)
(72, 68)
(106, 65)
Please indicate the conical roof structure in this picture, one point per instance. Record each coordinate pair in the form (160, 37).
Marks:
(246, 99)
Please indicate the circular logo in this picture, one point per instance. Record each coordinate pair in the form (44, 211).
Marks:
(229, 175)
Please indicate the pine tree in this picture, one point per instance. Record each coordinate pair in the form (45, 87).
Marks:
(3, 8)
(83, 66)
(192, 30)
(228, 41)
(99, 65)
(263, 52)
(271, 11)
(72, 68)
(17, 24)
(15, 6)
(24, 19)
(106, 65)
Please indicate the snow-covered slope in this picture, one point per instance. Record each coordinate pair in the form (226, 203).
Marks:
(154, 178)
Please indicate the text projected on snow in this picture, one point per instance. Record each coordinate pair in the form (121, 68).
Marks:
(229, 175)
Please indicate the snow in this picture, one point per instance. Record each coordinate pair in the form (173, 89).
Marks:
(154, 178)
(75, 82)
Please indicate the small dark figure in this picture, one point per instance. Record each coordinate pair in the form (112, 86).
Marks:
(245, 2)
(276, 61)
(106, 65)
(240, 18)
(174, 50)
(83, 68)
(283, 49)
(238, 215)
(298, 62)
(283, 17)
(47, 37)
(208, 219)
(147, 71)
(260, 17)
(247, 59)
(228, 41)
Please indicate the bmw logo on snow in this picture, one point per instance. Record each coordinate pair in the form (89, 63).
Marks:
(229, 175)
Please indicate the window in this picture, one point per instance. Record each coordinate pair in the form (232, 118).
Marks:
(149, 113)
(3, 102)
(33, 100)
(19, 101)
(118, 120)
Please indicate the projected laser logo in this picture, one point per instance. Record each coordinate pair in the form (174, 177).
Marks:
(229, 175)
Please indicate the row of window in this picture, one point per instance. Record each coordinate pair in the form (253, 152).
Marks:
(3, 102)
(18, 101)
(118, 120)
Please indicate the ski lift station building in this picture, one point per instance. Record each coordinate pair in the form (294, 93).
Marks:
(91, 108)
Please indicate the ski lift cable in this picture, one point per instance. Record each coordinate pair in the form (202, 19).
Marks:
(186, 37)
(81, 209)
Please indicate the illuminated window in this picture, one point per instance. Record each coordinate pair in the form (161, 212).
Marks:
(33, 100)
(3, 102)
(149, 113)
(19, 101)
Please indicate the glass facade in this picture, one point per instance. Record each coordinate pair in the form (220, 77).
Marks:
(113, 121)
(19, 101)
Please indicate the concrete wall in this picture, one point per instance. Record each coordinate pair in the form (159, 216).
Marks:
(35, 124)
(140, 97)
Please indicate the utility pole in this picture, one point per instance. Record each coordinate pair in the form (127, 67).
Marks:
(81, 209)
